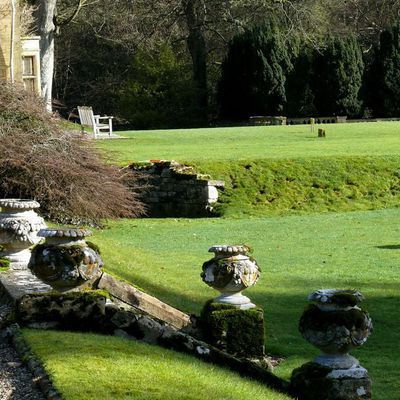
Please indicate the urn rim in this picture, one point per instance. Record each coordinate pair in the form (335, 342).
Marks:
(75, 233)
(336, 296)
(229, 249)
(21, 204)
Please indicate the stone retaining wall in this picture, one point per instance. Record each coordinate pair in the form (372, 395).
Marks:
(176, 190)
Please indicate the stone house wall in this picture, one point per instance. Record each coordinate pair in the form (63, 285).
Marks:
(5, 42)
(176, 190)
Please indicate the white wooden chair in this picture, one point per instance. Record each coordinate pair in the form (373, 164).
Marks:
(90, 120)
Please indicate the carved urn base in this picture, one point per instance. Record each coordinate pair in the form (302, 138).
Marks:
(65, 261)
(337, 361)
(19, 226)
(19, 258)
(235, 299)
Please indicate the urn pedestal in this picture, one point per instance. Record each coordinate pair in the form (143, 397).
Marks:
(19, 227)
(334, 324)
(230, 272)
(65, 261)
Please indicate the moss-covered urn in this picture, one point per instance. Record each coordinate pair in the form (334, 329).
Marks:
(65, 261)
(335, 324)
(231, 271)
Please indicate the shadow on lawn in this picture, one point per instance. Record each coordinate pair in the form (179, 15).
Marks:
(389, 247)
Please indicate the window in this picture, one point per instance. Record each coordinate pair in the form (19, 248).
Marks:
(28, 69)
(28, 73)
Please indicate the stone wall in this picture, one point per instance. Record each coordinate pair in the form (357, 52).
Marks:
(176, 190)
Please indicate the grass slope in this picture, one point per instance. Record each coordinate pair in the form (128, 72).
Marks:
(255, 143)
(87, 367)
(297, 254)
(268, 187)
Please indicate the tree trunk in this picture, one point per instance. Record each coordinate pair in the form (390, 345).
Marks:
(46, 14)
(194, 14)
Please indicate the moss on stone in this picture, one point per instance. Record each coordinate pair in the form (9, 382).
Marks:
(320, 320)
(94, 247)
(239, 332)
(4, 263)
(309, 381)
(83, 311)
(345, 299)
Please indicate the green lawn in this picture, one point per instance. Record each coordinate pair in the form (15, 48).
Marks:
(357, 166)
(255, 143)
(88, 367)
(297, 254)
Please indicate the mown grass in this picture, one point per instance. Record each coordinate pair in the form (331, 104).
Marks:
(270, 187)
(88, 366)
(297, 254)
(254, 143)
(268, 171)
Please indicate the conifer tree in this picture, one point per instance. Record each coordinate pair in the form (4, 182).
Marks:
(384, 80)
(337, 78)
(254, 74)
(299, 89)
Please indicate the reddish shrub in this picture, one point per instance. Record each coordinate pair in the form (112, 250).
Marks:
(67, 175)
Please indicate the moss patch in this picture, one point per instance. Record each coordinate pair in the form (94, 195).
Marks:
(321, 320)
(239, 332)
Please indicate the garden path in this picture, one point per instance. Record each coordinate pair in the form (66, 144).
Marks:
(16, 382)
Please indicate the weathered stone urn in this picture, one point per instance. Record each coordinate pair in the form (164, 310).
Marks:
(65, 261)
(19, 227)
(335, 324)
(230, 272)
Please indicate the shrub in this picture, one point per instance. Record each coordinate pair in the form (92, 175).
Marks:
(67, 175)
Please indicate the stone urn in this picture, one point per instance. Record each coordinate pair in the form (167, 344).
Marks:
(19, 227)
(230, 272)
(335, 324)
(65, 261)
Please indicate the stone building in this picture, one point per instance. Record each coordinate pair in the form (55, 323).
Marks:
(19, 56)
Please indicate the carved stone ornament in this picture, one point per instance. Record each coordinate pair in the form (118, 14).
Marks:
(231, 271)
(335, 324)
(65, 261)
(19, 227)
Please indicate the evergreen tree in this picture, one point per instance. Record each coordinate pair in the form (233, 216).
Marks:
(299, 91)
(384, 79)
(337, 78)
(254, 74)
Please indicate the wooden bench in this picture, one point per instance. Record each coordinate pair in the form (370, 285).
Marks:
(88, 119)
